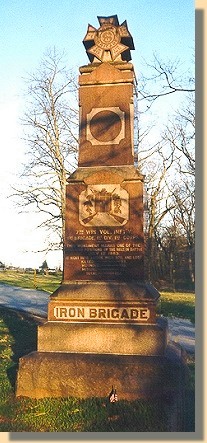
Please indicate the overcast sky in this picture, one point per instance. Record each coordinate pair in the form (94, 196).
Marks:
(27, 29)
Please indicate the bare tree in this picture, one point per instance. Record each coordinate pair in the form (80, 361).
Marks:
(160, 203)
(167, 161)
(185, 218)
(165, 79)
(180, 134)
(51, 126)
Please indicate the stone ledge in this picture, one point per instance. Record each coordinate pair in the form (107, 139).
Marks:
(99, 338)
(108, 291)
(127, 172)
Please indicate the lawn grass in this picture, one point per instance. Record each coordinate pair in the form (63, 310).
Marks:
(48, 283)
(178, 304)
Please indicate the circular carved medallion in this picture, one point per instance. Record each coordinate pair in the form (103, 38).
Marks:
(107, 38)
(105, 126)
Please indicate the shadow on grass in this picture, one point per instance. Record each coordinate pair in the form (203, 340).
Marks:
(23, 330)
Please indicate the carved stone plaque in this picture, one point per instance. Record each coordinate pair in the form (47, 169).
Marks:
(104, 233)
(102, 313)
(104, 205)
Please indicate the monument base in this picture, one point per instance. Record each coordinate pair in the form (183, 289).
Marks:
(58, 374)
(85, 375)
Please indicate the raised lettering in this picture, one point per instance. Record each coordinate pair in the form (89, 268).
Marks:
(108, 313)
(81, 312)
(92, 313)
(134, 313)
(144, 313)
(63, 312)
(71, 312)
(124, 314)
(115, 313)
(102, 313)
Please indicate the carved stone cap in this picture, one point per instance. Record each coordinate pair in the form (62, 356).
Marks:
(124, 172)
(106, 73)
(123, 66)
(110, 42)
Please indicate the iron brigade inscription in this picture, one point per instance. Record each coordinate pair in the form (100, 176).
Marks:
(96, 313)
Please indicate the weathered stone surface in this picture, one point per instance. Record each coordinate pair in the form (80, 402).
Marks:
(103, 338)
(115, 174)
(110, 291)
(104, 238)
(106, 116)
(107, 302)
(56, 374)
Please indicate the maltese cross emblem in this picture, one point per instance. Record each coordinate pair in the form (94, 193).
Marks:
(111, 42)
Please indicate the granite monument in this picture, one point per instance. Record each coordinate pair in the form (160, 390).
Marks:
(103, 328)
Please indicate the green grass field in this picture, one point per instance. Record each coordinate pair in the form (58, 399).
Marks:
(29, 280)
(178, 304)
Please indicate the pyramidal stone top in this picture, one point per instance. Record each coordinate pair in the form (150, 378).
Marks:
(110, 42)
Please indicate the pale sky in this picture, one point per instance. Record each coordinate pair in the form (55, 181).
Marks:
(27, 29)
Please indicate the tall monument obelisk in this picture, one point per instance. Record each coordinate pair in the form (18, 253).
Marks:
(104, 297)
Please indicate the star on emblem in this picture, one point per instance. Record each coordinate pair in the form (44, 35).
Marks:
(110, 42)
